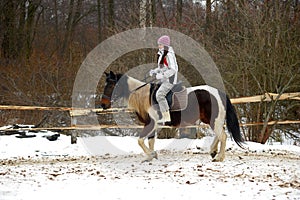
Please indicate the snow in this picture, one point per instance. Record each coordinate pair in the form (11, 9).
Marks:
(110, 168)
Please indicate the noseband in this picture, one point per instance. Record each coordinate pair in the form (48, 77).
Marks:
(104, 96)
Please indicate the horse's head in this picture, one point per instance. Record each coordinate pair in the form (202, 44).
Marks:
(110, 84)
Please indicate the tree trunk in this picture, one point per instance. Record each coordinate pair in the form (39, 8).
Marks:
(56, 24)
(19, 24)
(208, 16)
(9, 48)
(32, 18)
(67, 36)
(179, 11)
(74, 16)
(111, 20)
(273, 106)
(153, 13)
(143, 13)
(99, 20)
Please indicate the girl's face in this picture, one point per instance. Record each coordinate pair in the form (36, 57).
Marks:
(160, 46)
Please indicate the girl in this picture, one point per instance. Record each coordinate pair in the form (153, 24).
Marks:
(166, 73)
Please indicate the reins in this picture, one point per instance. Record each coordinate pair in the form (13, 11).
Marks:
(134, 90)
(151, 81)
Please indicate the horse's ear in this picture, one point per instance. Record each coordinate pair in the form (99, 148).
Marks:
(106, 74)
(112, 75)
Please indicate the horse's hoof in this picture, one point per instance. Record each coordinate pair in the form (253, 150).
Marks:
(146, 160)
(150, 157)
(213, 154)
(154, 155)
(168, 123)
(218, 159)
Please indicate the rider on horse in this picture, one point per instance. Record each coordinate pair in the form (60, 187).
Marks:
(166, 73)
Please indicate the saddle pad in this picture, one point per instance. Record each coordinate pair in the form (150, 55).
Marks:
(179, 100)
(176, 98)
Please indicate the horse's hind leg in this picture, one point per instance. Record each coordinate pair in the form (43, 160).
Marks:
(221, 155)
(214, 147)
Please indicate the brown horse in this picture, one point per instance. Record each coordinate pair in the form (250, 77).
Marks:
(204, 102)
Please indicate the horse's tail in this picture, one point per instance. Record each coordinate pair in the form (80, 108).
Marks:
(233, 123)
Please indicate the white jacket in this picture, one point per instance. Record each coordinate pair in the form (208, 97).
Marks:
(169, 67)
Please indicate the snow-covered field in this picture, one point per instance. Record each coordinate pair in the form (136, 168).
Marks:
(110, 168)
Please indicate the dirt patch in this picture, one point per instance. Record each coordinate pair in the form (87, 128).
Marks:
(262, 172)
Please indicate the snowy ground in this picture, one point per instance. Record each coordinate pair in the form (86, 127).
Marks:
(35, 168)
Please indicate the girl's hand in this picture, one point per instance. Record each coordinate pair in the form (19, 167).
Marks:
(152, 72)
(159, 76)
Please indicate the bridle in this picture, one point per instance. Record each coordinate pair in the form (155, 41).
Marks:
(132, 91)
(104, 96)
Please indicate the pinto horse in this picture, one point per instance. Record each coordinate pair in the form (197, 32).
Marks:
(206, 103)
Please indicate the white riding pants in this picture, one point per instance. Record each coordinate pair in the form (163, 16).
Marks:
(161, 96)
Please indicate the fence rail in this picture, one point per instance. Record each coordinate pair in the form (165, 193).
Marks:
(266, 97)
(105, 126)
(85, 111)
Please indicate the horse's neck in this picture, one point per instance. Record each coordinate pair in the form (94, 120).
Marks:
(139, 97)
(134, 83)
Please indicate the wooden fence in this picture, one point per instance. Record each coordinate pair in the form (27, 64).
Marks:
(83, 111)
(266, 97)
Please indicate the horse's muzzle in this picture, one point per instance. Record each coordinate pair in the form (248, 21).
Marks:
(103, 106)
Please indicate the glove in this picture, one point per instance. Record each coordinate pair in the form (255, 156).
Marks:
(152, 71)
(159, 76)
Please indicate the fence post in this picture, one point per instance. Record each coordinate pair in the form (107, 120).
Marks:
(73, 132)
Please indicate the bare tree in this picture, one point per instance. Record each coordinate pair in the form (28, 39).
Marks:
(73, 17)
(99, 20)
(259, 56)
(179, 6)
(254, 43)
(143, 13)
(208, 14)
(111, 18)
(19, 23)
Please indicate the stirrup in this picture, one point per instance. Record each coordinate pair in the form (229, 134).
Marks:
(165, 117)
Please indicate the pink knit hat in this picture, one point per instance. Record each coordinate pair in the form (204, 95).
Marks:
(164, 40)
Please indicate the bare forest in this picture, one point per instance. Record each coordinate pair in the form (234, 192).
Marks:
(255, 44)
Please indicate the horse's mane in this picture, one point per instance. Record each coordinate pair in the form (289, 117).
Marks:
(139, 101)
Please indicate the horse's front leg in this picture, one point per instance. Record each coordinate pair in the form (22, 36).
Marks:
(150, 153)
(151, 141)
(148, 131)
(141, 142)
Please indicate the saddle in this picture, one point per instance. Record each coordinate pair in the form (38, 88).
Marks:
(176, 98)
